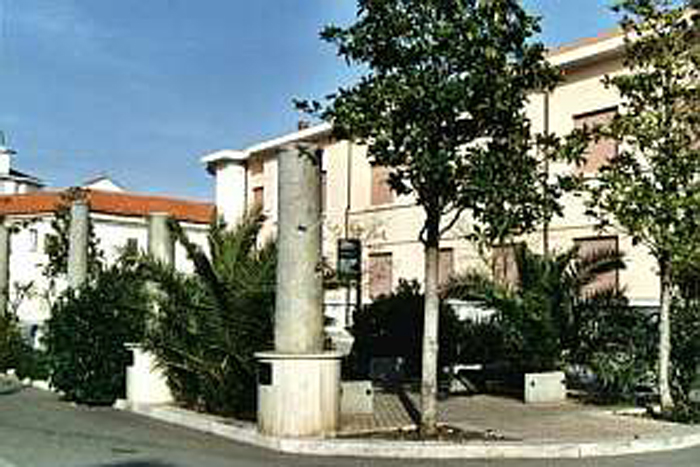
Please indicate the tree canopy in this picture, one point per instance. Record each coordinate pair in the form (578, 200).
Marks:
(651, 188)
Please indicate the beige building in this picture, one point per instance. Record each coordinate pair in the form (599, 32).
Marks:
(358, 203)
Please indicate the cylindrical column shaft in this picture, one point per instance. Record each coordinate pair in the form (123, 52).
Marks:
(160, 240)
(4, 266)
(299, 301)
(78, 243)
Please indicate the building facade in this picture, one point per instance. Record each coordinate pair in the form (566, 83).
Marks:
(359, 204)
(119, 219)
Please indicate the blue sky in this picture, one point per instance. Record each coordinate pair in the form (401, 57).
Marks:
(139, 90)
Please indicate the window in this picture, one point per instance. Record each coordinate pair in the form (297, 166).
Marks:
(259, 197)
(380, 274)
(51, 243)
(33, 240)
(504, 266)
(595, 245)
(446, 265)
(132, 245)
(601, 151)
(381, 191)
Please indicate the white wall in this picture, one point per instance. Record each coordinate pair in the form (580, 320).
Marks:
(28, 258)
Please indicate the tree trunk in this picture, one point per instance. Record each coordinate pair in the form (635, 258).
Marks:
(665, 335)
(430, 336)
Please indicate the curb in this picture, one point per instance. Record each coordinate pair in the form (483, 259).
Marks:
(246, 432)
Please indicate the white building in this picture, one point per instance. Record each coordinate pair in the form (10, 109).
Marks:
(119, 218)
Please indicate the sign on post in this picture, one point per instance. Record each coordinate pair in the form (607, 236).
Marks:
(349, 259)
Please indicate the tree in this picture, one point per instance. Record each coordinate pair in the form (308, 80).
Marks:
(210, 324)
(651, 188)
(441, 104)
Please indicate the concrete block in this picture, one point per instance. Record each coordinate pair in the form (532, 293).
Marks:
(356, 397)
(545, 387)
(145, 382)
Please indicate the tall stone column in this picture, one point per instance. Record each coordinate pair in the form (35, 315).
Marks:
(160, 240)
(78, 243)
(299, 299)
(4, 266)
(299, 383)
(145, 381)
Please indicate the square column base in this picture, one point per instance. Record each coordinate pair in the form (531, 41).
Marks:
(299, 394)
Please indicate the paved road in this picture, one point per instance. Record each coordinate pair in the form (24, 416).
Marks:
(37, 430)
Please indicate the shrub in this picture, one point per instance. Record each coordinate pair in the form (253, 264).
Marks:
(87, 330)
(539, 316)
(211, 324)
(16, 353)
(685, 358)
(392, 326)
(618, 343)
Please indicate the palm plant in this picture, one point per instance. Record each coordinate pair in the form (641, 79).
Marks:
(540, 315)
(209, 325)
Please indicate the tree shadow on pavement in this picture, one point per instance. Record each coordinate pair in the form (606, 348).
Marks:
(137, 463)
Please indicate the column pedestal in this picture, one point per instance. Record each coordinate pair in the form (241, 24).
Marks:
(145, 382)
(299, 394)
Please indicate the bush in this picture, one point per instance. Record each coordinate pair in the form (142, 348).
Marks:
(392, 326)
(618, 343)
(685, 358)
(211, 324)
(87, 330)
(16, 353)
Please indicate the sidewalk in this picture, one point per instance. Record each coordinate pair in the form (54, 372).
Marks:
(516, 430)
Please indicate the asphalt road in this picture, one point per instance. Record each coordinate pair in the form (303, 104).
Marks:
(38, 430)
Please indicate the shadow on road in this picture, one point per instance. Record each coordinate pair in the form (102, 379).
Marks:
(140, 463)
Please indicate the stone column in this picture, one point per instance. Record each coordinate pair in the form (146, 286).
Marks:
(78, 243)
(4, 266)
(145, 382)
(299, 300)
(299, 383)
(160, 240)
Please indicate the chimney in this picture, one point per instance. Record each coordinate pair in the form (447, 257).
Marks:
(303, 125)
(5, 159)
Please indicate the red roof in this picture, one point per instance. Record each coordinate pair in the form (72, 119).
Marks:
(107, 202)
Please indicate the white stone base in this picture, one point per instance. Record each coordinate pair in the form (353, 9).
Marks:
(299, 395)
(145, 382)
(545, 387)
(357, 397)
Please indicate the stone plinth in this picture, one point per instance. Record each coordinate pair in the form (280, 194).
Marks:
(356, 397)
(145, 382)
(298, 394)
(545, 387)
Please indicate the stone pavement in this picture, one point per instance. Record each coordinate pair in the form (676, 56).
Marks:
(389, 414)
(515, 430)
(511, 419)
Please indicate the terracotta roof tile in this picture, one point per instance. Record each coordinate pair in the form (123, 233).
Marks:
(114, 203)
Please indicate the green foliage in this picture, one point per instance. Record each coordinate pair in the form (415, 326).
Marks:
(541, 316)
(442, 104)
(88, 328)
(685, 358)
(16, 353)
(651, 188)
(209, 326)
(618, 343)
(392, 326)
